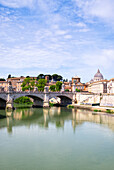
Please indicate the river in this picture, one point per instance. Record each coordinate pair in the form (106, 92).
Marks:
(56, 139)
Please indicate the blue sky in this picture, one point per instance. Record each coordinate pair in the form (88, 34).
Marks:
(68, 37)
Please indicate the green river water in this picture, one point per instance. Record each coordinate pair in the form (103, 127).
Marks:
(56, 139)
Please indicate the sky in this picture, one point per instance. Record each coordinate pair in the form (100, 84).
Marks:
(67, 37)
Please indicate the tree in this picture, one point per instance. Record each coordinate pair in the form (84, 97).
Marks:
(22, 100)
(57, 77)
(9, 76)
(52, 88)
(50, 77)
(67, 90)
(2, 79)
(58, 85)
(26, 84)
(65, 80)
(41, 84)
(77, 90)
(40, 76)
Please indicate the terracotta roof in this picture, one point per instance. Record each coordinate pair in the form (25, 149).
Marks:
(3, 81)
(99, 81)
(112, 79)
(15, 78)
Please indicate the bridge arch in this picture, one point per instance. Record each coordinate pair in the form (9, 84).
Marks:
(65, 98)
(2, 103)
(37, 99)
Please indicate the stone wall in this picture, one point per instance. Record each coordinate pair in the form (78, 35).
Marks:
(107, 100)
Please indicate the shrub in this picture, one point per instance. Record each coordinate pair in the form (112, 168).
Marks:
(58, 85)
(70, 106)
(77, 90)
(23, 100)
(52, 88)
(67, 90)
(108, 111)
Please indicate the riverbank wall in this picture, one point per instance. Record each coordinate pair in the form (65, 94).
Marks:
(95, 108)
(104, 100)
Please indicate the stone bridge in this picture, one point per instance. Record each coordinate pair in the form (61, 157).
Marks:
(40, 99)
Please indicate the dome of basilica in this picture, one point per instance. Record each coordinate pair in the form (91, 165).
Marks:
(98, 76)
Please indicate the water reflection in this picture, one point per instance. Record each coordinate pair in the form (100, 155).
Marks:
(58, 116)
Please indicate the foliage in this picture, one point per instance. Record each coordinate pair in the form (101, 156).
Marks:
(57, 77)
(77, 90)
(50, 77)
(70, 106)
(32, 83)
(41, 84)
(40, 76)
(28, 84)
(9, 76)
(23, 100)
(58, 85)
(65, 80)
(109, 111)
(67, 90)
(51, 104)
(97, 110)
(52, 88)
(2, 79)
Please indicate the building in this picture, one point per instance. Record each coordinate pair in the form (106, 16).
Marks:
(76, 79)
(3, 86)
(110, 86)
(16, 83)
(97, 77)
(98, 87)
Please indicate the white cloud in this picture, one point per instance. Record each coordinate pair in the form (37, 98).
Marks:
(96, 8)
(103, 58)
(53, 37)
(18, 3)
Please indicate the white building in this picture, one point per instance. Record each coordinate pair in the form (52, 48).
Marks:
(98, 87)
(110, 86)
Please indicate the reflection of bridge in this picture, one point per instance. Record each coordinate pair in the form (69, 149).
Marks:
(41, 99)
(56, 115)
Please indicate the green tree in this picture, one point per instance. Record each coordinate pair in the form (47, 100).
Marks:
(22, 100)
(50, 77)
(67, 90)
(41, 84)
(40, 76)
(32, 83)
(57, 77)
(2, 79)
(26, 84)
(77, 90)
(58, 85)
(52, 88)
(9, 76)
